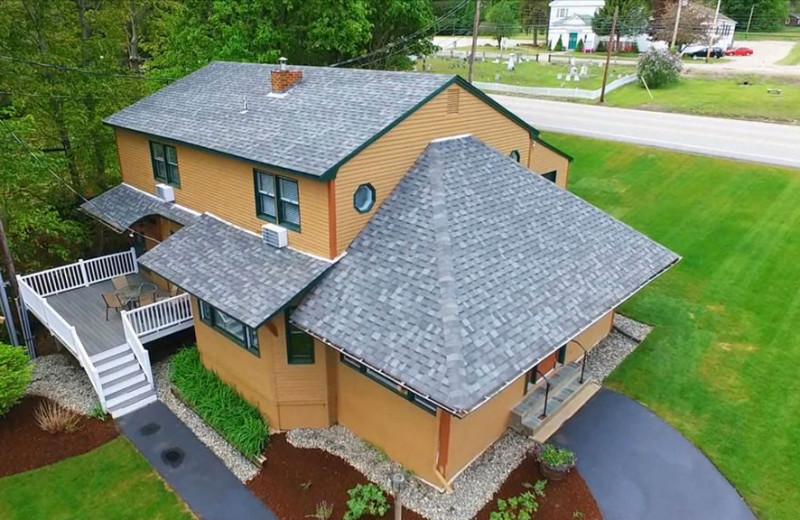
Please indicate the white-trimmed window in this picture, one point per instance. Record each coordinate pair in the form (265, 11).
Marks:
(278, 199)
(234, 329)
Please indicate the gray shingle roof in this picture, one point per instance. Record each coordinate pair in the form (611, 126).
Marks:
(472, 271)
(123, 205)
(324, 118)
(233, 269)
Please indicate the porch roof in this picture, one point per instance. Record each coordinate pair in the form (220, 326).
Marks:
(232, 269)
(471, 272)
(123, 205)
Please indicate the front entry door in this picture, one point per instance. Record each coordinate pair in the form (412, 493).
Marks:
(573, 41)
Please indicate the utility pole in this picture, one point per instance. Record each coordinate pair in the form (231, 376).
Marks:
(608, 53)
(750, 19)
(475, 25)
(712, 31)
(675, 29)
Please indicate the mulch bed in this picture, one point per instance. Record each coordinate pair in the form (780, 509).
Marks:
(294, 480)
(25, 446)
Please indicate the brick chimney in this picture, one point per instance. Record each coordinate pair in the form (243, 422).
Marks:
(282, 79)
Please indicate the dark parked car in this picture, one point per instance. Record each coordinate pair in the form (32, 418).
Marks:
(716, 52)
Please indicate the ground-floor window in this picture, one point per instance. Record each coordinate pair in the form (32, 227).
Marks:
(299, 345)
(387, 382)
(234, 329)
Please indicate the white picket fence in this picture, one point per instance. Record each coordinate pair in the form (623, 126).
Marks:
(65, 332)
(82, 273)
(575, 93)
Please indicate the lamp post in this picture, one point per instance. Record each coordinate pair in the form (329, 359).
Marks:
(398, 484)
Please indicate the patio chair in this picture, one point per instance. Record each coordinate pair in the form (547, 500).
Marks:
(112, 301)
(147, 298)
(120, 282)
(163, 295)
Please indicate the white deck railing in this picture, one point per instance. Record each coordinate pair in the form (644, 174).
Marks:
(62, 330)
(137, 347)
(82, 273)
(161, 315)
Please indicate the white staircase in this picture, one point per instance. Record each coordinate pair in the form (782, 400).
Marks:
(123, 380)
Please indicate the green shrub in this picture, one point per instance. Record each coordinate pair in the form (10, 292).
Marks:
(366, 499)
(218, 404)
(520, 507)
(658, 67)
(15, 374)
(559, 44)
(98, 413)
(601, 46)
(579, 47)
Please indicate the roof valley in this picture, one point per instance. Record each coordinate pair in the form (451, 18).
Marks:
(448, 306)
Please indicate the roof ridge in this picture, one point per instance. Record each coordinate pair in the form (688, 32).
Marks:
(448, 303)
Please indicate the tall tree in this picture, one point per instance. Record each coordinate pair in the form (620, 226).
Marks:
(393, 21)
(692, 27)
(534, 15)
(631, 21)
(768, 15)
(502, 19)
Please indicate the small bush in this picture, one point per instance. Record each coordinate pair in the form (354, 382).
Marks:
(556, 457)
(366, 499)
(579, 47)
(323, 511)
(218, 404)
(520, 507)
(658, 67)
(559, 44)
(601, 46)
(15, 374)
(98, 413)
(54, 418)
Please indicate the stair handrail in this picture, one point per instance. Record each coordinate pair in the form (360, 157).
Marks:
(546, 390)
(132, 339)
(585, 356)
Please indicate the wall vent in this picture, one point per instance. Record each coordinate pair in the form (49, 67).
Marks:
(452, 100)
(165, 192)
(275, 236)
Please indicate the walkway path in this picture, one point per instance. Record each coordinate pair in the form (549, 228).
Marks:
(743, 140)
(639, 467)
(210, 490)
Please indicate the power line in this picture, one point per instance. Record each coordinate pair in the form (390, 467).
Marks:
(65, 68)
(29, 148)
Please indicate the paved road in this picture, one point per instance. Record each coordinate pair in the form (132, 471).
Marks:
(638, 467)
(744, 140)
(210, 490)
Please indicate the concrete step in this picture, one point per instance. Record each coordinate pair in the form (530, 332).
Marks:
(563, 377)
(114, 362)
(97, 358)
(132, 405)
(119, 372)
(126, 395)
(574, 403)
(123, 382)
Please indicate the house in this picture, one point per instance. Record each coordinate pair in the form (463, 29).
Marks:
(793, 20)
(393, 252)
(571, 20)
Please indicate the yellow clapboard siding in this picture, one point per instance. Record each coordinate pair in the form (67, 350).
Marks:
(387, 160)
(224, 186)
(545, 160)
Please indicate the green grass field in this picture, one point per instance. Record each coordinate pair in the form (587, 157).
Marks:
(724, 97)
(113, 481)
(786, 34)
(529, 74)
(722, 362)
(793, 58)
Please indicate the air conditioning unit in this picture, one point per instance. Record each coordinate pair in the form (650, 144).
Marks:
(165, 192)
(275, 236)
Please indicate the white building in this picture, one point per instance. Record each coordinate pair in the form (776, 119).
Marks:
(571, 20)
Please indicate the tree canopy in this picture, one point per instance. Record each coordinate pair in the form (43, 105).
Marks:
(631, 20)
(502, 19)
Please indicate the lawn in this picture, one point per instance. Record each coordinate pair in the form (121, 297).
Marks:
(113, 481)
(530, 74)
(785, 34)
(723, 97)
(793, 58)
(722, 362)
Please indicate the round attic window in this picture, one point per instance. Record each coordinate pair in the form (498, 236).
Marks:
(364, 198)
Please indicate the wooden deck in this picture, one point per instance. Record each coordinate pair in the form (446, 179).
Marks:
(84, 309)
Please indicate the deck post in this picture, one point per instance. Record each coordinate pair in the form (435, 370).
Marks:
(133, 259)
(85, 276)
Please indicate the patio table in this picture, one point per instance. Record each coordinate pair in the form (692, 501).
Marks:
(129, 295)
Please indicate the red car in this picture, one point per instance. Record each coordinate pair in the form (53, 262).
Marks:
(739, 51)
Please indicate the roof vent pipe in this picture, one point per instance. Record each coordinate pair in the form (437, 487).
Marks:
(282, 61)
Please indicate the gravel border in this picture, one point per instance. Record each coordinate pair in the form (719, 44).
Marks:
(471, 490)
(626, 335)
(230, 456)
(58, 377)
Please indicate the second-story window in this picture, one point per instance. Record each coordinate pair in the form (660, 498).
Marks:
(278, 200)
(165, 163)
(562, 12)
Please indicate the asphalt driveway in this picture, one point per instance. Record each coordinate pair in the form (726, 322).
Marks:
(639, 467)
